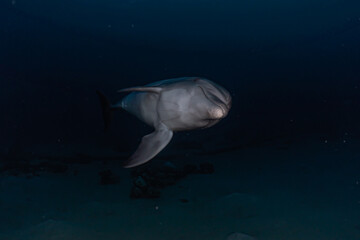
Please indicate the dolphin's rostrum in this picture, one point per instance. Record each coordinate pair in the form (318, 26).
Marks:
(171, 105)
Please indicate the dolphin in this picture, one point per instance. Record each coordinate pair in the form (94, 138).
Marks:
(171, 105)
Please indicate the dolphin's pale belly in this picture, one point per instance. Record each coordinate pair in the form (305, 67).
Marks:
(176, 109)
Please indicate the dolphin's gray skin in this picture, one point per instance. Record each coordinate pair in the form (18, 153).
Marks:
(171, 105)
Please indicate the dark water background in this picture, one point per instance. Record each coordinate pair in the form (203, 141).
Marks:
(292, 67)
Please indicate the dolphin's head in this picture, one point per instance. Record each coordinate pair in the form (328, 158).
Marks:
(219, 98)
(217, 95)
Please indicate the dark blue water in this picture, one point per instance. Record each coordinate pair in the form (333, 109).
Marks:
(292, 68)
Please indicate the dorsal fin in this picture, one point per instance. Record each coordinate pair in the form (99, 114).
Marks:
(141, 89)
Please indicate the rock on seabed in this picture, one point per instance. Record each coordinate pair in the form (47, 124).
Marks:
(239, 236)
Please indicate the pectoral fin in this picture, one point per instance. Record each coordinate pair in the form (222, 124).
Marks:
(150, 146)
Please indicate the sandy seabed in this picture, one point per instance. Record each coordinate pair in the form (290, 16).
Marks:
(299, 191)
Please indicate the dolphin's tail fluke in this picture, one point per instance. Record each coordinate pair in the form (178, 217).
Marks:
(107, 109)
